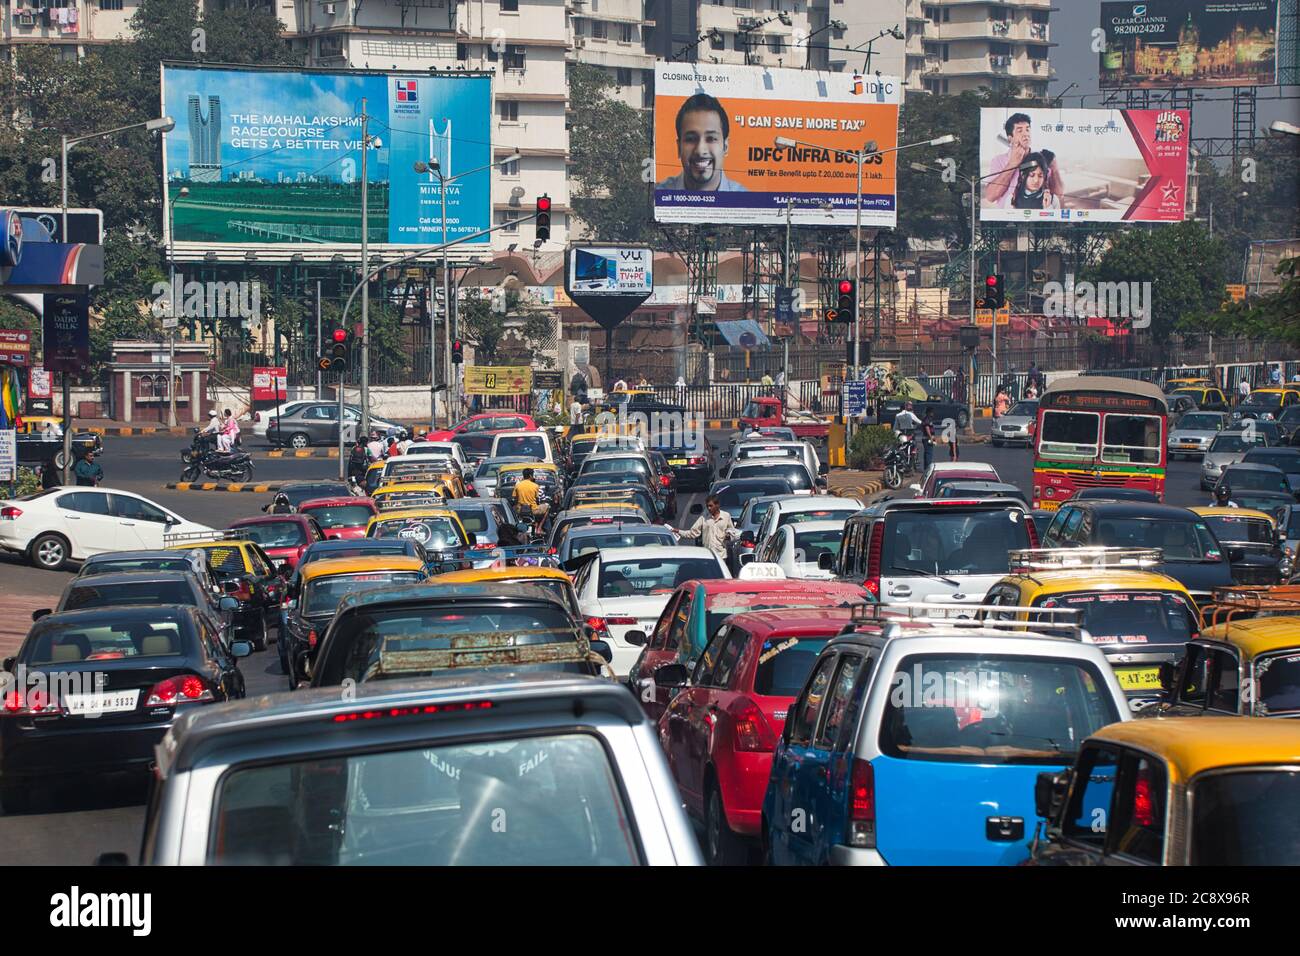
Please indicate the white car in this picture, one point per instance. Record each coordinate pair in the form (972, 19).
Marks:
(536, 444)
(796, 549)
(801, 451)
(626, 589)
(440, 449)
(72, 523)
(792, 510)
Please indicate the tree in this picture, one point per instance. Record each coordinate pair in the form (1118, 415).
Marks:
(609, 147)
(482, 327)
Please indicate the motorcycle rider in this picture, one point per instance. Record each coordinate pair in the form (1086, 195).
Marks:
(526, 500)
(1223, 496)
(376, 446)
(906, 423)
(279, 505)
(358, 460)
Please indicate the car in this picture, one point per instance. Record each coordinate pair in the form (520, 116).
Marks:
(1180, 405)
(317, 423)
(147, 589)
(411, 494)
(245, 572)
(60, 525)
(474, 446)
(626, 589)
(1288, 424)
(982, 489)
(357, 547)
(113, 562)
(483, 517)
(620, 462)
(1267, 403)
(800, 451)
(734, 494)
(943, 405)
(262, 419)
(721, 728)
(1254, 476)
(90, 693)
(696, 610)
(913, 549)
(785, 511)
(624, 489)
(919, 741)
(552, 580)
(1228, 447)
(316, 594)
(426, 629)
(941, 473)
(797, 548)
(296, 492)
(344, 517)
(1271, 431)
(608, 513)
(800, 479)
(1189, 552)
(1042, 521)
(1017, 426)
(579, 447)
(607, 533)
(545, 476)
(437, 449)
(437, 530)
(751, 516)
(1284, 457)
(1186, 381)
(1211, 791)
(484, 482)
(569, 762)
(415, 469)
(283, 537)
(34, 451)
(1192, 435)
(534, 444)
(1254, 535)
(1205, 398)
(691, 463)
(1115, 494)
(489, 423)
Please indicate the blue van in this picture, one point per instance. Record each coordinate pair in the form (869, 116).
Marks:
(919, 742)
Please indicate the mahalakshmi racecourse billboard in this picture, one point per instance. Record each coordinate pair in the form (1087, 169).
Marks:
(717, 159)
(272, 158)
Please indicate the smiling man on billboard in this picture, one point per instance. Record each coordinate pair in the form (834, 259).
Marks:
(703, 135)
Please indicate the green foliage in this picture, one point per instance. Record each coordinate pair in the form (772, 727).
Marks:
(609, 145)
(482, 327)
(869, 445)
(29, 482)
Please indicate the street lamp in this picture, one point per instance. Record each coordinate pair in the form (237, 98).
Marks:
(1285, 129)
(833, 25)
(860, 157)
(892, 32)
(434, 168)
(172, 318)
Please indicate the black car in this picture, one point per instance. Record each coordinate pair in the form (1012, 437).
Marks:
(147, 588)
(693, 466)
(99, 689)
(943, 406)
(1260, 546)
(1284, 457)
(299, 491)
(632, 492)
(1255, 476)
(734, 493)
(258, 588)
(1192, 554)
(982, 489)
(34, 451)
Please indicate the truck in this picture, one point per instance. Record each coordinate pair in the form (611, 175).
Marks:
(769, 411)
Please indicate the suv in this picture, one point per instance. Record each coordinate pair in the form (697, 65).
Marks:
(423, 773)
(952, 549)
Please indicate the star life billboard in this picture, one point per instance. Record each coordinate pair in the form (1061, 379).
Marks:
(716, 159)
(271, 158)
(1063, 165)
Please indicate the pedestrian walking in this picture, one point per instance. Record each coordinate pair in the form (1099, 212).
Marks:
(1243, 391)
(953, 453)
(927, 438)
(713, 529)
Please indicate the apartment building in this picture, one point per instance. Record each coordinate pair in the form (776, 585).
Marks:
(958, 45)
(614, 34)
(68, 26)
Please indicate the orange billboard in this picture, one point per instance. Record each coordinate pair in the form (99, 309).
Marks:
(744, 144)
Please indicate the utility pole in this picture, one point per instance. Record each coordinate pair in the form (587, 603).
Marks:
(365, 287)
(319, 393)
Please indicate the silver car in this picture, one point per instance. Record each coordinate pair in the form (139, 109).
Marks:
(1227, 448)
(1192, 436)
(484, 481)
(453, 771)
(1017, 425)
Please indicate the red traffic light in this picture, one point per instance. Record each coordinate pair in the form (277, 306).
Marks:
(340, 335)
(543, 203)
(845, 287)
(990, 281)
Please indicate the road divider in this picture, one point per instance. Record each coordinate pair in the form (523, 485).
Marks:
(303, 453)
(220, 486)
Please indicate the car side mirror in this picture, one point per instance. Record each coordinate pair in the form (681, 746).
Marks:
(603, 649)
(746, 558)
(37, 615)
(671, 675)
(697, 509)
(113, 858)
(9, 663)
(635, 638)
(826, 561)
(1167, 677)
(241, 648)
(1049, 792)
(228, 603)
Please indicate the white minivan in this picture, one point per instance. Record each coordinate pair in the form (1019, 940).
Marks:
(535, 444)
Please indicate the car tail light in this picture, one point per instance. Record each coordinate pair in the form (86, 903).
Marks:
(598, 625)
(182, 689)
(413, 711)
(620, 620)
(10, 513)
(748, 545)
(698, 460)
(874, 548)
(1033, 531)
(311, 639)
(32, 703)
(552, 550)
(753, 733)
(862, 805)
(664, 480)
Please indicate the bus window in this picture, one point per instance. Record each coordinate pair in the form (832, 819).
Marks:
(1132, 438)
(1069, 434)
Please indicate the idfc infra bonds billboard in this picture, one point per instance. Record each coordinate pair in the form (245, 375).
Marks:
(717, 159)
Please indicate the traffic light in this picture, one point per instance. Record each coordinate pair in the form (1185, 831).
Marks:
(845, 303)
(994, 296)
(457, 352)
(543, 218)
(336, 359)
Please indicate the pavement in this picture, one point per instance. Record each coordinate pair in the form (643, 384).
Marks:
(852, 483)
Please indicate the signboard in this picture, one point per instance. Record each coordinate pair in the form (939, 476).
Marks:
(984, 317)
(609, 270)
(39, 392)
(498, 380)
(548, 379)
(8, 454)
(66, 332)
(84, 225)
(1189, 43)
(15, 347)
(717, 159)
(1237, 293)
(1088, 165)
(784, 304)
(855, 398)
(270, 383)
(272, 157)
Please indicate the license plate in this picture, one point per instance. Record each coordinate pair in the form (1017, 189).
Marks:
(114, 702)
(1139, 678)
(676, 461)
(1188, 444)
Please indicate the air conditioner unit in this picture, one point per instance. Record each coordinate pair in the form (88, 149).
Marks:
(327, 9)
(580, 42)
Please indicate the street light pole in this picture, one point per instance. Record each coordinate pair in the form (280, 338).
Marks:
(365, 287)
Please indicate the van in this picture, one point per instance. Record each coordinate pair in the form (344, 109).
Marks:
(535, 444)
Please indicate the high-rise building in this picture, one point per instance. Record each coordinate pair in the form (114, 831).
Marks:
(958, 45)
(68, 26)
(205, 140)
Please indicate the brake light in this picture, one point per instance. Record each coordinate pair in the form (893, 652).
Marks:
(412, 711)
(747, 545)
(874, 548)
(862, 805)
(552, 550)
(311, 639)
(753, 733)
(698, 461)
(597, 624)
(33, 703)
(10, 513)
(620, 620)
(1033, 531)
(184, 689)
(1144, 808)
(664, 480)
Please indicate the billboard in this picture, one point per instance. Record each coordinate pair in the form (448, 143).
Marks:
(611, 270)
(1189, 43)
(1088, 165)
(717, 160)
(273, 157)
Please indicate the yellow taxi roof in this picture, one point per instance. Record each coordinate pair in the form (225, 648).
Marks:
(608, 504)
(1190, 745)
(1069, 580)
(360, 565)
(1274, 389)
(1258, 635)
(1190, 380)
(402, 514)
(1214, 511)
(408, 487)
(500, 574)
(375, 464)
(241, 544)
(535, 466)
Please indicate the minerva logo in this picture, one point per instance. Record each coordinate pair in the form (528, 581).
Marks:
(77, 909)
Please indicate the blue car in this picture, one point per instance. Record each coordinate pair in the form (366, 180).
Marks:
(920, 744)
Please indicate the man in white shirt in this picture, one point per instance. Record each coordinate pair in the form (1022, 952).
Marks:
(713, 529)
(375, 448)
(906, 422)
(575, 412)
(1243, 391)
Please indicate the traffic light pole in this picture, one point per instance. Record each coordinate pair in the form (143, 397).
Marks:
(343, 462)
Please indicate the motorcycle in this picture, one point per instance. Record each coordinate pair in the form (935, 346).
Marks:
(900, 461)
(202, 457)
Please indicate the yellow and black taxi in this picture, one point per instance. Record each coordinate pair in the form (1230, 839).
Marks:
(35, 449)
(320, 587)
(410, 494)
(418, 468)
(550, 579)
(246, 573)
(1267, 403)
(434, 528)
(374, 476)
(1186, 381)
(1205, 396)
(1258, 555)
(1139, 617)
(1216, 791)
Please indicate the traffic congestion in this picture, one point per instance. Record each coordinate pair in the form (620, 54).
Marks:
(507, 644)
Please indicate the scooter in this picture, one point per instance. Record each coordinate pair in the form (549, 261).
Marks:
(900, 461)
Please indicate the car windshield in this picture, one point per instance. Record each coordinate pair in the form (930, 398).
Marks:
(966, 708)
(1180, 539)
(322, 596)
(1241, 530)
(67, 643)
(619, 539)
(114, 565)
(1233, 443)
(732, 498)
(821, 514)
(435, 533)
(1251, 479)
(952, 541)
(123, 594)
(642, 576)
(341, 516)
(550, 800)
(533, 445)
(361, 550)
(784, 663)
(1246, 817)
(1130, 617)
(275, 534)
(1200, 422)
(298, 494)
(1024, 409)
(1266, 399)
(794, 474)
(811, 545)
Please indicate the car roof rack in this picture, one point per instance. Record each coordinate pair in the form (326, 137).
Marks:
(1022, 560)
(395, 502)
(1039, 621)
(182, 537)
(1227, 603)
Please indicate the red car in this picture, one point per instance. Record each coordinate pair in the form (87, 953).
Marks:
(696, 610)
(498, 421)
(342, 517)
(947, 472)
(283, 537)
(721, 729)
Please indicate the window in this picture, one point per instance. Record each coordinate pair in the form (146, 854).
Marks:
(1069, 434)
(506, 221)
(124, 506)
(956, 541)
(515, 59)
(1225, 681)
(462, 51)
(1138, 827)
(623, 76)
(838, 706)
(1151, 617)
(1132, 438)
(726, 669)
(599, 30)
(110, 4)
(627, 33)
(807, 710)
(646, 576)
(1193, 673)
(508, 111)
(85, 502)
(1245, 818)
(1087, 816)
(703, 676)
(142, 637)
(510, 169)
(1278, 680)
(672, 624)
(323, 594)
(774, 43)
(509, 6)
(122, 595)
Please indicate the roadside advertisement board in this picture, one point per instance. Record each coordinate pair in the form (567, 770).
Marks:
(15, 347)
(1088, 165)
(498, 380)
(717, 159)
(612, 270)
(270, 383)
(66, 334)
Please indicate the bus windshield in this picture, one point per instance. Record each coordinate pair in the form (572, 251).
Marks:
(1132, 438)
(1069, 434)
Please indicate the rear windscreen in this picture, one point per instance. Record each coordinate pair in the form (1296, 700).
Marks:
(623, 539)
(951, 541)
(1130, 617)
(795, 475)
(784, 663)
(434, 533)
(323, 595)
(143, 592)
(71, 643)
(522, 445)
(275, 534)
(229, 560)
(341, 516)
(641, 576)
(142, 564)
